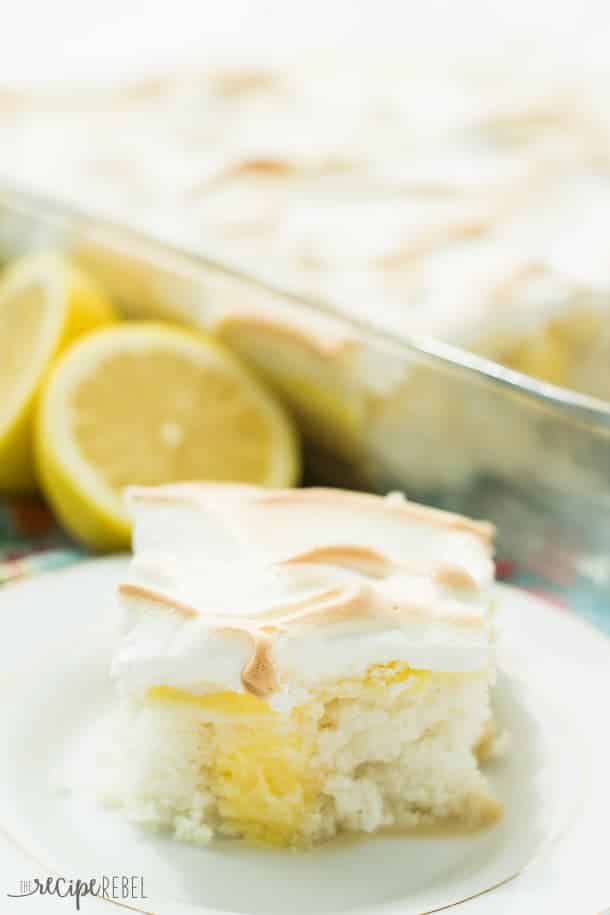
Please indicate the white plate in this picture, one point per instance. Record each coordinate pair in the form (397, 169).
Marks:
(57, 635)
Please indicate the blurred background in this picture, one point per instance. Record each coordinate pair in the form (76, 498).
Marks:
(83, 41)
(424, 188)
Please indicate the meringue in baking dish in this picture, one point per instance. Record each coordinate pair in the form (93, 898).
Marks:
(297, 664)
(461, 199)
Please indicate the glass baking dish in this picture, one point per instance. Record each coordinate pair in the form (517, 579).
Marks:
(379, 411)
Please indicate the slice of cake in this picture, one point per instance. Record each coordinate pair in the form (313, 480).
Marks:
(301, 663)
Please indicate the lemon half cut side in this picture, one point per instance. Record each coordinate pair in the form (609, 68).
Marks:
(45, 303)
(148, 403)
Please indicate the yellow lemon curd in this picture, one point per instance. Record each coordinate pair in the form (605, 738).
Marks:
(261, 770)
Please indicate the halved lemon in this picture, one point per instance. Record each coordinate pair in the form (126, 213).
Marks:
(152, 403)
(45, 302)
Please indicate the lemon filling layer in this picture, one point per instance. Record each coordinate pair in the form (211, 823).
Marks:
(393, 747)
(262, 769)
(259, 769)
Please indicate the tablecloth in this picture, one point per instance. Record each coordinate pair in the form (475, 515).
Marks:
(31, 541)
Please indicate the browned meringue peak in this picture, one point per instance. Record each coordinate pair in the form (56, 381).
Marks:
(275, 586)
(374, 535)
(374, 564)
(372, 609)
(343, 602)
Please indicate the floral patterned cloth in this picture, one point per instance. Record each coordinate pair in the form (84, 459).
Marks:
(31, 541)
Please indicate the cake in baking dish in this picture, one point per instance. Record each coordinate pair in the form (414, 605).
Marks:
(462, 200)
(296, 664)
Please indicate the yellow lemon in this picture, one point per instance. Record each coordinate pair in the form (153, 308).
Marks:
(45, 302)
(152, 403)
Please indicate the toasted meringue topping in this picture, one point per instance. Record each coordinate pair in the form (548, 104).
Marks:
(388, 189)
(273, 592)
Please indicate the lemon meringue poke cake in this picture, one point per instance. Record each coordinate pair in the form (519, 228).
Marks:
(299, 663)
